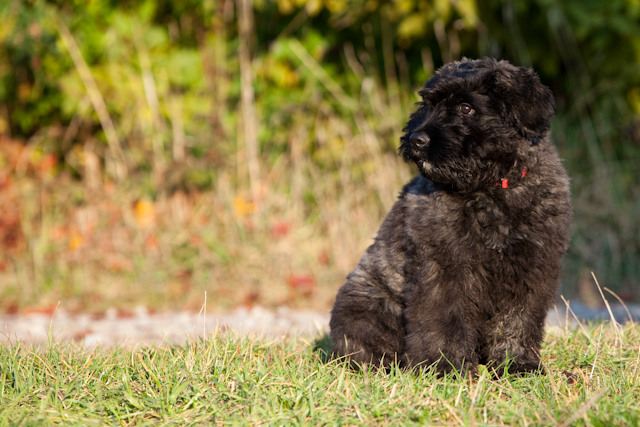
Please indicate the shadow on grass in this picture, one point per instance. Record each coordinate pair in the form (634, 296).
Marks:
(322, 345)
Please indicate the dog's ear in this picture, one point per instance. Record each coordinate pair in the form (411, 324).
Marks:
(526, 103)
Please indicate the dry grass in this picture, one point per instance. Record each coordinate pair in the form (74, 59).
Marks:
(91, 247)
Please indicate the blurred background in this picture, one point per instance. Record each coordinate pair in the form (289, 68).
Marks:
(154, 150)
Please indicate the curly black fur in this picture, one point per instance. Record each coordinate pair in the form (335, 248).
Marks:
(463, 271)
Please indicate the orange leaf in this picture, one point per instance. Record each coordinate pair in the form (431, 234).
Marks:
(323, 258)
(44, 309)
(58, 233)
(195, 240)
(307, 282)
(151, 242)
(75, 242)
(242, 208)
(145, 213)
(301, 285)
(47, 164)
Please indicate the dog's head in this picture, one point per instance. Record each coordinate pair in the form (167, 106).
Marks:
(479, 121)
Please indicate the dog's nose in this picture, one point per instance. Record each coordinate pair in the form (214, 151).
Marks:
(419, 139)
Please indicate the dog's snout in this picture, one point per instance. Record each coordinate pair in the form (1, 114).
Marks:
(419, 139)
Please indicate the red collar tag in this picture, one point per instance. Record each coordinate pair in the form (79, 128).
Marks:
(504, 182)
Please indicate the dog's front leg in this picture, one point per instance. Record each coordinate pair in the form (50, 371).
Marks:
(439, 330)
(513, 337)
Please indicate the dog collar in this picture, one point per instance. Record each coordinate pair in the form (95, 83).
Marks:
(504, 182)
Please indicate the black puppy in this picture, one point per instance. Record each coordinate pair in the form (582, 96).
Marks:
(466, 264)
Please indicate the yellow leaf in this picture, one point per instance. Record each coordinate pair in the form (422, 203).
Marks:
(443, 9)
(468, 10)
(403, 7)
(314, 7)
(283, 75)
(335, 6)
(285, 7)
(634, 99)
(413, 25)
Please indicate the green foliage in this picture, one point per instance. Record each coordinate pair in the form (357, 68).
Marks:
(577, 47)
(580, 48)
(29, 67)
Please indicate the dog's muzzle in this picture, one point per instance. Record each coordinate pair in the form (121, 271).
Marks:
(419, 139)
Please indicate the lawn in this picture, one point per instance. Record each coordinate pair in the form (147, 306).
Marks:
(592, 379)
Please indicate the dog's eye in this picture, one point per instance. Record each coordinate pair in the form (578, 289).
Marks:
(466, 109)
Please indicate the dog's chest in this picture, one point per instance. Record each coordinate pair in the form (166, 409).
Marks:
(456, 231)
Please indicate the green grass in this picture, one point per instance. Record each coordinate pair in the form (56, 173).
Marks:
(227, 380)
